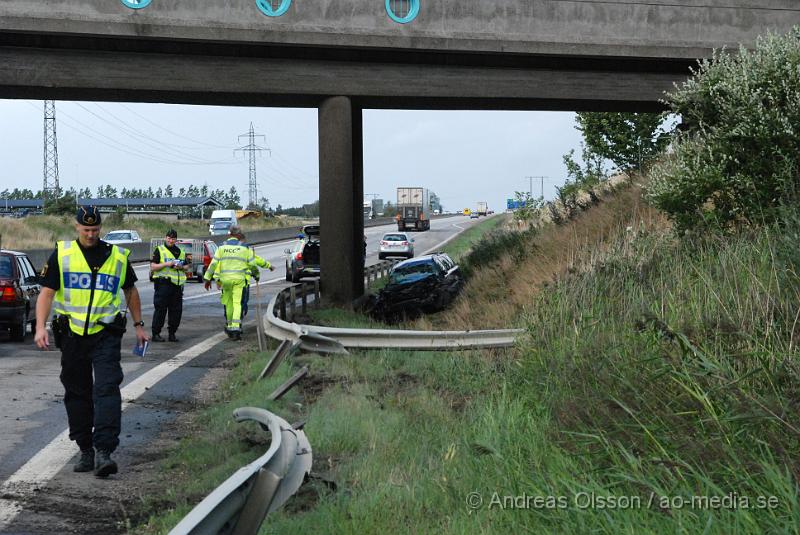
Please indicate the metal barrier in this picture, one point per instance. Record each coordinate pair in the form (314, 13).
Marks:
(282, 308)
(240, 504)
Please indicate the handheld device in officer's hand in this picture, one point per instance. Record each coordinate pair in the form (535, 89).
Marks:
(140, 350)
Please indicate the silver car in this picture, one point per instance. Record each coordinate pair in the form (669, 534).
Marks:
(396, 244)
(119, 237)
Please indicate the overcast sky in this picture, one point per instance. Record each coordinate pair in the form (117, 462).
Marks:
(464, 157)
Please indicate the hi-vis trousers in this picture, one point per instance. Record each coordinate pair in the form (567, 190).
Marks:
(232, 301)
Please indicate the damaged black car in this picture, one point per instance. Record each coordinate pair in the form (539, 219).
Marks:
(424, 284)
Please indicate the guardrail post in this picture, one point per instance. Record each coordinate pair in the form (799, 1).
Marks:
(304, 296)
(316, 293)
(292, 301)
(282, 307)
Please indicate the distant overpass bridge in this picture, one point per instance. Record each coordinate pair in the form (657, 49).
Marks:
(343, 56)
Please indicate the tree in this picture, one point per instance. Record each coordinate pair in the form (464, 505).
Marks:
(592, 172)
(232, 199)
(629, 140)
(61, 205)
(737, 158)
(529, 206)
(389, 210)
(168, 191)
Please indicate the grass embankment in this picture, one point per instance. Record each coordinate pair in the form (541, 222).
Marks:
(657, 392)
(41, 231)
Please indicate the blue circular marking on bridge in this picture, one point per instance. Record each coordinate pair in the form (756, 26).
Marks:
(413, 11)
(136, 4)
(265, 6)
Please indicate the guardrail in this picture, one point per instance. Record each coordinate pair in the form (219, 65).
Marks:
(282, 309)
(240, 504)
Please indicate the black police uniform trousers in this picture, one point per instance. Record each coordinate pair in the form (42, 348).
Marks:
(167, 297)
(91, 374)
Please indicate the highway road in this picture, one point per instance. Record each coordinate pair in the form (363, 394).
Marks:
(156, 387)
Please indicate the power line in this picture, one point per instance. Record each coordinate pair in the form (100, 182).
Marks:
(121, 146)
(173, 133)
(141, 137)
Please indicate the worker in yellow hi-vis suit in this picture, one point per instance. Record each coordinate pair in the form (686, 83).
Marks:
(232, 265)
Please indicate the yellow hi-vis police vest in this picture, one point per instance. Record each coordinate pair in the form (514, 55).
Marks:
(86, 306)
(231, 262)
(175, 275)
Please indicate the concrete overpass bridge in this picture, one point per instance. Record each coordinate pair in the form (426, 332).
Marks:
(342, 56)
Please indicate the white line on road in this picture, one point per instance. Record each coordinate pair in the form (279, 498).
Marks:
(448, 240)
(216, 292)
(43, 466)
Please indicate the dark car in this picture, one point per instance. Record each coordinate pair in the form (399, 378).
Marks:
(19, 289)
(423, 284)
(302, 259)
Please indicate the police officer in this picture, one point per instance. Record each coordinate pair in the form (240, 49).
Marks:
(232, 264)
(169, 277)
(84, 278)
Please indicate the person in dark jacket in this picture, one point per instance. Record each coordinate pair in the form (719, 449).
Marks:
(84, 279)
(169, 276)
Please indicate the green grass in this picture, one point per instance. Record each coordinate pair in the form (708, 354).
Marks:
(40, 231)
(467, 239)
(664, 371)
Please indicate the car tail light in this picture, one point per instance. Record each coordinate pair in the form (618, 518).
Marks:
(403, 243)
(384, 242)
(298, 256)
(8, 294)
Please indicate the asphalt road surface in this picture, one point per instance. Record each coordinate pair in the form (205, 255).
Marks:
(34, 450)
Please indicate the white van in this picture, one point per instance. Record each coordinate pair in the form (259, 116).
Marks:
(222, 220)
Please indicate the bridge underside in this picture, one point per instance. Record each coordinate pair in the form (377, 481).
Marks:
(340, 82)
(127, 69)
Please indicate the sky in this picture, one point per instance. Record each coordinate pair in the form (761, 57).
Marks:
(462, 156)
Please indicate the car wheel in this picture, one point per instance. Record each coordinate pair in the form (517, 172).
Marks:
(295, 277)
(18, 331)
(288, 274)
(381, 256)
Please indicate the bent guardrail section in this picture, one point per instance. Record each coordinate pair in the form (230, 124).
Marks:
(335, 339)
(240, 504)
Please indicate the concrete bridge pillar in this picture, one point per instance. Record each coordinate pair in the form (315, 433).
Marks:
(341, 194)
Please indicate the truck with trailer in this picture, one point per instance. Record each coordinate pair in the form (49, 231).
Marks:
(482, 208)
(413, 205)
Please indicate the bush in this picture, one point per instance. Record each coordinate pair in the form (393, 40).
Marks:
(63, 205)
(736, 162)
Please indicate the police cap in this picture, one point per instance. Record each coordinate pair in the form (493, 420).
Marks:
(88, 216)
(172, 233)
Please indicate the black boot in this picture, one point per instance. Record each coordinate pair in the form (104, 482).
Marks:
(173, 338)
(157, 338)
(105, 464)
(86, 462)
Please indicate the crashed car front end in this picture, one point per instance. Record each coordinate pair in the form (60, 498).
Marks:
(408, 299)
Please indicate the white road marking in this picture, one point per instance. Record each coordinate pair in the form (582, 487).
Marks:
(448, 240)
(50, 460)
(216, 292)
